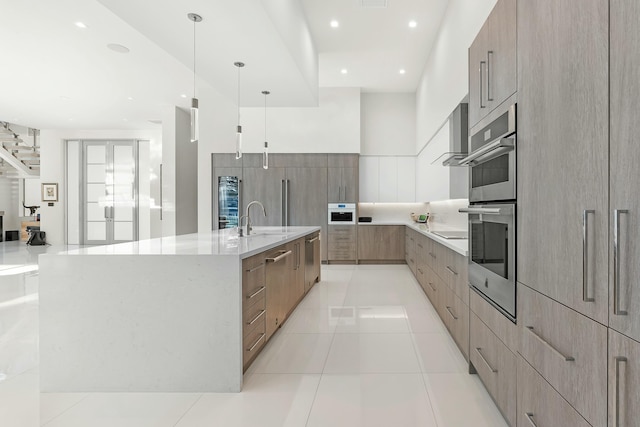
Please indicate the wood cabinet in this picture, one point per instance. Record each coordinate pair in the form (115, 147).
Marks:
(253, 307)
(563, 152)
(569, 350)
(624, 209)
(266, 187)
(496, 366)
(410, 249)
(342, 243)
(455, 315)
(381, 243)
(624, 380)
(456, 274)
(343, 178)
(540, 405)
(492, 62)
(311, 261)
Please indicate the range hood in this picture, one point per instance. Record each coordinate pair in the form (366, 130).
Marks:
(458, 136)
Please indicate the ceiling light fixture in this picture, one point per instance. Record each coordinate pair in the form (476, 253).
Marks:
(265, 153)
(130, 98)
(334, 23)
(344, 71)
(402, 71)
(184, 95)
(81, 25)
(413, 24)
(239, 128)
(195, 125)
(118, 48)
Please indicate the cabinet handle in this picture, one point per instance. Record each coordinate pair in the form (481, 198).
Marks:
(283, 254)
(251, 270)
(255, 319)
(434, 289)
(552, 348)
(489, 56)
(616, 262)
(283, 207)
(585, 254)
(451, 271)
(313, 240)
(256, 292)
(617, 413)
(432, 255)
(250, 349)
(106, 212)
(451, 313)
(419, 245)
(530, 418)
(495, 371)
(481, 104)
(420, 271)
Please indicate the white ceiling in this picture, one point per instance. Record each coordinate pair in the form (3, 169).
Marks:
(56, 75)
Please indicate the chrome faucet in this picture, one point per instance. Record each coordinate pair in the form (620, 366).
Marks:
(249, 218)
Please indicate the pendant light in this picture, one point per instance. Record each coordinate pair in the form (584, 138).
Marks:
(195, 125)
(239, 128)
(265, 153)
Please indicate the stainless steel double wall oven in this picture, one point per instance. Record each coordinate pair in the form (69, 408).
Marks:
(492, 212)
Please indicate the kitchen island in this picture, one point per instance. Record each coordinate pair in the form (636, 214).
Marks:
(167, 314)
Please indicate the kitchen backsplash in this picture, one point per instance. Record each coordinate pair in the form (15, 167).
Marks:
(445, 214)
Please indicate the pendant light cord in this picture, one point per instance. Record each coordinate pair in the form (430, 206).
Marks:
(194, 58)
(239, 96)
(265, 117)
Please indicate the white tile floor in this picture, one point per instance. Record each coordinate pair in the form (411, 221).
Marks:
(364, 348)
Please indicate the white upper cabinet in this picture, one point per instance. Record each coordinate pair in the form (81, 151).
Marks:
(387, 179)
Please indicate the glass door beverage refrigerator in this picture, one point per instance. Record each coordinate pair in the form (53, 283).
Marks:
(228, 201)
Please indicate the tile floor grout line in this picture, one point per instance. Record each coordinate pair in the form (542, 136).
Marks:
(66, 410)
(189, 409)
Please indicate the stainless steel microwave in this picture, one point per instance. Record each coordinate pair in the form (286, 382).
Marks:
(492, 160)
(492, 257)
(342, 213)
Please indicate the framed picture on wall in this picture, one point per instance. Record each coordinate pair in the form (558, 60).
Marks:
(50, 192)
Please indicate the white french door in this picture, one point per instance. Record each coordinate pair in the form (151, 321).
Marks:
(109, 205)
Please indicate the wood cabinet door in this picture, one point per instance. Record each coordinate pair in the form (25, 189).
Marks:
(501, 53)
(624, 380)
(350, 184)
(381, 242)
(477, 77)
(563, 162)
(265, 186)
(624, 255)
(334, 185)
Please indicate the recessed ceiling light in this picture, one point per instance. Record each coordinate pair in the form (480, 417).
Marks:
(402, 71)
(334, 23)
(130, 98)
(81, 25)
(413, 24)
(183, 96)
(64, 98)
(344, 71)
(118, 48)
(125, 120)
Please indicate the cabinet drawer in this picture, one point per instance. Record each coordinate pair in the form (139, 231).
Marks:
(253, 315)
(342, 246)
(568, 349)
(428, 282)
(253, 277)
(455, 315)
(342, 230)
(342, 255)
(540, 405)
(624, 380)
(252, 344)
(503, 328)
(455, 271)
(496, 366)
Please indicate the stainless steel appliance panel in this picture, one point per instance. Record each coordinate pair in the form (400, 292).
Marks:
(228, 201)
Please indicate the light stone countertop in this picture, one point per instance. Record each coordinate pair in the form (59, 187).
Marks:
(218, 242)
(460, 246)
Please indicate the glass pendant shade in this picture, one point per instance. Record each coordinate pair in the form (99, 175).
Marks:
(195, 125)
(239, 142)
(265, 156)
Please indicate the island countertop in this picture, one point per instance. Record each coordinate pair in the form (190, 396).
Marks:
(217, 242)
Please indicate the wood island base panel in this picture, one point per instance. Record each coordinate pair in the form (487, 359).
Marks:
(174, 314)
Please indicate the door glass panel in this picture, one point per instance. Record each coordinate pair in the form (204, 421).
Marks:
(97, 231)
(490, 246)
(96, 193)
(95, 212)
(122, 212)
(122, 231)
(96, 173)
(96, 154)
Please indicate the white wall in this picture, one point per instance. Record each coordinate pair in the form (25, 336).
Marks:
(332, 127)
(53, 163)
(432, 179)
(388, 124)
(445, 80)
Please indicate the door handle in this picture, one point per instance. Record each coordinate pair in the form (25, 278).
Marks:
(585, 255)
(549, 346)
(617, 412)
(282, 204)
(106, 212)
(616, 262)
(283, 254)
(161, 204)
(530, 418)
(478, 350)
(480, 69)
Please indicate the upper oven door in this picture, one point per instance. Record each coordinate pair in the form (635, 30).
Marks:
(492, 263)
(492, 160)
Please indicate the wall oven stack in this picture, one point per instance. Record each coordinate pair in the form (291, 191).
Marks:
(492, 212)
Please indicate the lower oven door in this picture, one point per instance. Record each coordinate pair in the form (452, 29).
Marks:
(492, 263)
